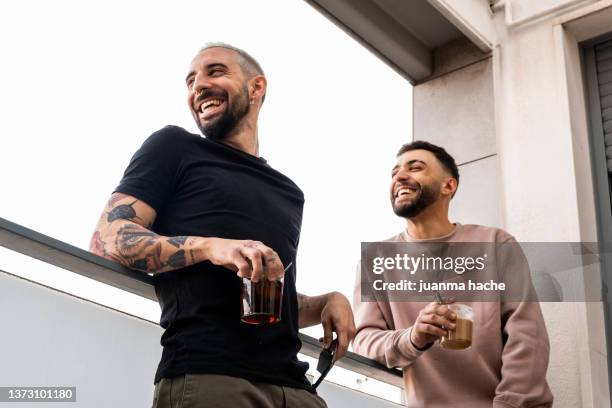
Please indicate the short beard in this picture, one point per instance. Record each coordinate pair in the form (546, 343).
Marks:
(219, 129)
(427, 196)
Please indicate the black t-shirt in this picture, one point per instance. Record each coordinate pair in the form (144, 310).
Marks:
(204, 188)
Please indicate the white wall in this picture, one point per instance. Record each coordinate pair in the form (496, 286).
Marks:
(456, 111)
(50, 338)
(545, 181)
(55, 339)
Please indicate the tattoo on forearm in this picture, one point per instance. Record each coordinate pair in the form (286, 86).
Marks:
(177, 241)
(178, 259)
(132, 240)
(122, 212)
(149, 261)
(141, 264)
(142, 249)
(98, 247)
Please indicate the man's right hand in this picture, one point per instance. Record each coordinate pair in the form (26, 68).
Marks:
(431, 324)
(245, 257)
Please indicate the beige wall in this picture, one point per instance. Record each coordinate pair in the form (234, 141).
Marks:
(517, 117)
(455, 109)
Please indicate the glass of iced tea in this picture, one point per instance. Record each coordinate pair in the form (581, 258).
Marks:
(460, 338)
(261, 302)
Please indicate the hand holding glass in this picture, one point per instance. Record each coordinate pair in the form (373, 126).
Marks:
(261, 302)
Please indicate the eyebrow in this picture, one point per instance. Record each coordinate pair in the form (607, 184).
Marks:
(209, 66)
(411, 162)
(416, 161)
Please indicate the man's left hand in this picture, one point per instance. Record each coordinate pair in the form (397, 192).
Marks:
(337, 316)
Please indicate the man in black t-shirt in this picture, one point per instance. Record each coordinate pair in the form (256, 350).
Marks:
(200, 213)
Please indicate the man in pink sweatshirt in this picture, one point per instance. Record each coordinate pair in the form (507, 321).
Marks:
(506, 365)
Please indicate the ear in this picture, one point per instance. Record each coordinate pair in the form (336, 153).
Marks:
(257, 87)
(449, 186)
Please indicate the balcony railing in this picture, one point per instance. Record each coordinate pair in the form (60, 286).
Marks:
(52, 251)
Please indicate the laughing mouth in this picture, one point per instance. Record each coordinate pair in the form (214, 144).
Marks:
(210, 106)
(405, 191)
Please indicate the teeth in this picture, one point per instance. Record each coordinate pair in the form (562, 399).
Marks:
(210, 103)
(403, 191)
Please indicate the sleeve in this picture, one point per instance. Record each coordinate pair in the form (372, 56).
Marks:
(526, 347)
(375, 339)
(152, 171)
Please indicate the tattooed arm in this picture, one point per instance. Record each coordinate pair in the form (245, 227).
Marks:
(123, 235)
(334, 312)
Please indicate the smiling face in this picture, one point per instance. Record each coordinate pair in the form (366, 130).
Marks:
(217, 92)
(418, 181)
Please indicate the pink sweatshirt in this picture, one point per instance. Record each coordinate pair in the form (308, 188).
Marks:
(505, 367)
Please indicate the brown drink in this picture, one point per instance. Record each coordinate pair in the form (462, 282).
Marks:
(261, 301)
(460, 337)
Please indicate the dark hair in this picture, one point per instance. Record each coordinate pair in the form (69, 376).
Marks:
(446, 160)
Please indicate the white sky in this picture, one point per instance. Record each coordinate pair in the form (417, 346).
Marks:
(84, 84)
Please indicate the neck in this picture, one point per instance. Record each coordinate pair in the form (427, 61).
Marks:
(430, 224)
(244, 137)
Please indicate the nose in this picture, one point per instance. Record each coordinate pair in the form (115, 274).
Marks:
(401, 175)
(200, 84)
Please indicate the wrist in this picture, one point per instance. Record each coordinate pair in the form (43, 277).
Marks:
(318, 303)
(418, 344)
(310, 309)
(202, 249)
(313, 304)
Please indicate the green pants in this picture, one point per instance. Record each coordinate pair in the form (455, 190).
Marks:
(220, 391)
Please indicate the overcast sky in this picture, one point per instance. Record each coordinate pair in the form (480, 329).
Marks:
(84, 84)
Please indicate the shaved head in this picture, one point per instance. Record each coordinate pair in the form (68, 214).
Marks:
(250, 66)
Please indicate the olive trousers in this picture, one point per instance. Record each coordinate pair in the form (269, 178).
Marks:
(220, 391)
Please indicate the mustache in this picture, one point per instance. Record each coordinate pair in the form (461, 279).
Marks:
(413, 185)
(209, 93)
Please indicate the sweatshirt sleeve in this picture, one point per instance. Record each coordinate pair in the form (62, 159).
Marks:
(375, 337)
(526, 346)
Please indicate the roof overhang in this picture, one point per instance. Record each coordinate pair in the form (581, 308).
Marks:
(403, 33)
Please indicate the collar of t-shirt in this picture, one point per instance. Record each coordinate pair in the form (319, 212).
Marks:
(406, 236)
(249, 156)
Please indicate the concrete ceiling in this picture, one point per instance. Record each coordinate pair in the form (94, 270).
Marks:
(402, 33)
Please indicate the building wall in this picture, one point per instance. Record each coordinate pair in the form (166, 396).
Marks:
(537, 174)
(545, 177)
(455, 109)
(515, 120)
